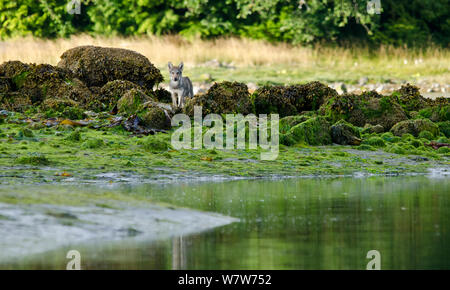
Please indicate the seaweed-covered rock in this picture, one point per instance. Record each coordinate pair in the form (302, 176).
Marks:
(273, 100)
(11, 69)
(372, 129)
(63, 107)
(110, 93)
(439, 111)
(310, 96)
(287, 123)
(38, 82)
(98, 65)
(315, 131)
(444, 127)
(344, 133)
(15, 101)
(408, 96)
(155, 118)
(367, 108)
(414, 127)
(222, 98)
(131, 101)
(5, 85)
(163, 95)
(290, 100)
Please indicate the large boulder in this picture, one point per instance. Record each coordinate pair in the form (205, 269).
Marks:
(131, 102)
(13, 68)
(288, 122)
(310, 96)
(222, 98)
(370, 129)
(367, 108)
(273, 100)
(444, 127)
(111, 92)
(96, 66)
(15, 101)
(415, 127)
(438, 110)
(408, 96)
(155, 117)
(63, 107)
(5, 85)
(344, 133)
(293, 99)
(38, 82)
(315, 131)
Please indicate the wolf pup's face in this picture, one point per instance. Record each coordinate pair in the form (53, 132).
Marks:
(176, 72)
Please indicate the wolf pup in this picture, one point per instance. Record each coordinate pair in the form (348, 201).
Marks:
(179, 86)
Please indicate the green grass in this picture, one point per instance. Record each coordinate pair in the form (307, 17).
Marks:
(285, 74)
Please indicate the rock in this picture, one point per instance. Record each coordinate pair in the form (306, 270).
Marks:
(216, 64)
(438, 110)
(155, 118)
(163, 95)
(414, 127)
(310, 96)
(35, 83)
(373, 129)
(5, 85)
(211, 63)
(366, 108)
(444, 127)
(15, 102)
(222, 98)
(206, 77)
(287, 123)
(344, 133)
(110, 93)
(408, 96)
(273, 100)
(315, 131)
(290, 100)
(363, 81)
(66, 107)
(131, 102)
(12, 69)
(96, 66)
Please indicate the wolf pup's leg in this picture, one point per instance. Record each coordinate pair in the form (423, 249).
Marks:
(181, 99)
(174, 99)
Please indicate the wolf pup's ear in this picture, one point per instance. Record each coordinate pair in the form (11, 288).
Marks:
(170, 65)
(181, 66)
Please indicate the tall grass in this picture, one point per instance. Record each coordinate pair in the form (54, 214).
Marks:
(245, 53)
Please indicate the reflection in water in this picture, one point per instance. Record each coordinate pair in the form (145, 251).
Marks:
(291, 224)
(178, 256)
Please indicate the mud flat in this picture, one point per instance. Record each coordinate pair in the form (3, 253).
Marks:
(28, 229)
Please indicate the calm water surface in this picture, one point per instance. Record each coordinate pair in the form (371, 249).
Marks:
(290, 224)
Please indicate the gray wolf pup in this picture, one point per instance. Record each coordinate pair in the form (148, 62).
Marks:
(179, 86)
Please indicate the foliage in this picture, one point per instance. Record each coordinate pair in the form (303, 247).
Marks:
(400, 22)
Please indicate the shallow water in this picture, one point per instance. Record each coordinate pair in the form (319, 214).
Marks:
(307, 223)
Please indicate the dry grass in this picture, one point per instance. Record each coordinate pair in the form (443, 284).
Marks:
(400, 62)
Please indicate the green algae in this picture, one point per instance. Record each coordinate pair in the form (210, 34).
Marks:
(87, 153)
(36, 159)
